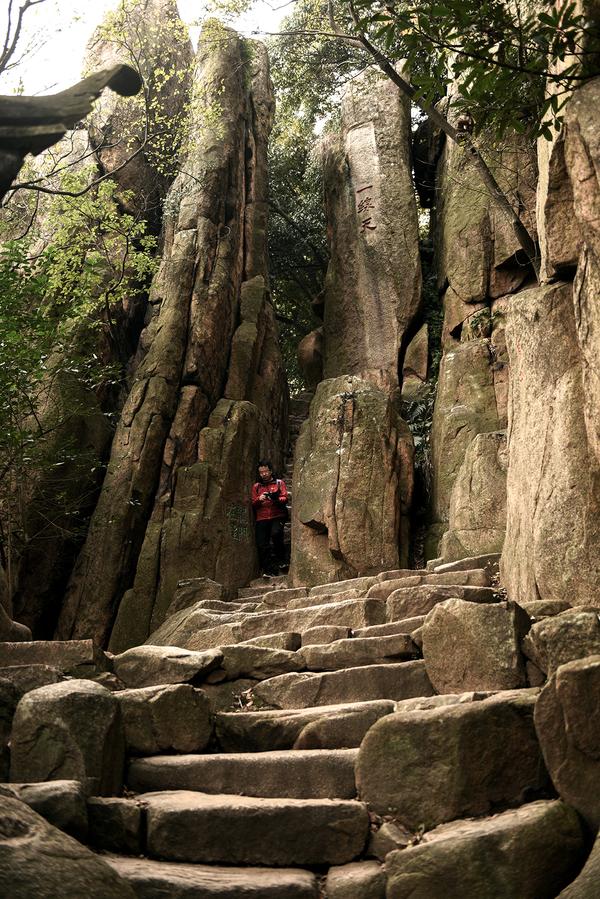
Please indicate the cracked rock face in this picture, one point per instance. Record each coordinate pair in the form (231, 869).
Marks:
(209, 395)
(353, 483)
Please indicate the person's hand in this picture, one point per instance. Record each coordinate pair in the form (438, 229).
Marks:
(264, 498)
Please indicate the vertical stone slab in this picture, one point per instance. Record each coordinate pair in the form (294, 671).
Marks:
(352, 484)
(373, 283)
(552, 546)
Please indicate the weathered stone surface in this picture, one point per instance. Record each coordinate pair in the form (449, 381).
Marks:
(190, 826)
(61, 802)
(539, 608)
(358, 585)
(424, 703)
(341, 729)
(467, 646)
(181, 881)
(358, 651)
(37, 859)
(427, 767)
(477, 515)
(158, 719)
(585, 885)
(567, 725)
(196, 590)
(465, 406)
(477, 248)
(228, 695)
(489, 562)
(527, 853)
(350, 613)
(310, 358)
(316, 636)
(208, 396)
(383, 681)
(388, 837)
(352, 484)
(404, 626)
(78, 658)
(295, 775)
(477, 578)
(279, 729)
(186, 629)
(358, 880)
(372, 288)
(288, 640)
(552, 546)
(279, 599)
(147, 666)
(29, 677)
(69, 731)
(115, 825)
(410, 601)
(563, 638)
(257, 662)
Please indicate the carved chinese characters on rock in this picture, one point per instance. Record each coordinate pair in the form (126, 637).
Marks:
(365, 208)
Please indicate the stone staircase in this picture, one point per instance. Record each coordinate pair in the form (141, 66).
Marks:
(297, 760)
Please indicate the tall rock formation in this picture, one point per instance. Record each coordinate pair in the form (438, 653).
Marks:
(354, 457)
(123, 135)
(479, 265)
(209, 394)
(553, 536)
(373, 283)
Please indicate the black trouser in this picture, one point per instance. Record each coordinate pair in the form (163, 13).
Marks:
(267, 531)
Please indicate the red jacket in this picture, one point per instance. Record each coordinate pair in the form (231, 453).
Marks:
(276, 505)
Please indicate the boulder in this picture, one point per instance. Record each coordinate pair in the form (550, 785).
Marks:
(477, 514)
(428, 767)
(564, 637)
(171, 718)
(525, 853)
(538, 608)
(185, 628)
(147, 666)
(566, 721)
(11, 630)
(467, 646)
(37, 859)
(373, 282)
(352, 484)
(552, 545)
(69, 731)
(61, 802)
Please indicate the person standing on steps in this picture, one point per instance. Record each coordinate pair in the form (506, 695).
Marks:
(269, 501)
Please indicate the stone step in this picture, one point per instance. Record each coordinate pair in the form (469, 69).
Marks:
(402, 680)
(475, 578)
(153, 879)
(302, 601)
(265, 730)
(243, 830)
(279, 774)
(403, 626)
(490, 562)
(407, 602)
(359, 651)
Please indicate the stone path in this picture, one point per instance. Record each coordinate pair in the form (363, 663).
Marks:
(292, 763)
